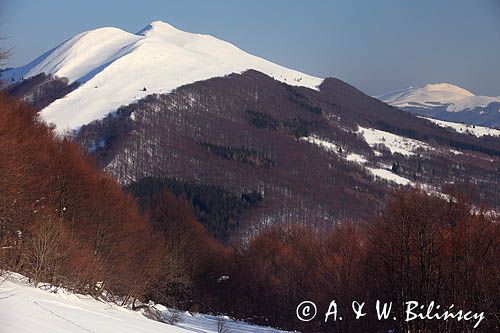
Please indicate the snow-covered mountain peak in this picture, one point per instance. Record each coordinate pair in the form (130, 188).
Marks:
(115, 68)
(158, 27)
(447, 88)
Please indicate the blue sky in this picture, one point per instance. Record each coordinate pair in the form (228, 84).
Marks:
(376, 45)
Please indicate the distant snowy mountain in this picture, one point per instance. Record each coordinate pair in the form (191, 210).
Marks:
(455, 98)
(447, 102)
(115, 68)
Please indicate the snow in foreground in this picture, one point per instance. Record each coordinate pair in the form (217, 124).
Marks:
(24, 308)
(114, 67)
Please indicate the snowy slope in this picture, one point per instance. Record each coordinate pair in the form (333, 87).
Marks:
(395, 143)
(373, 137)
(114, 66)
(27, 309)
(456, 99)
(478, 131)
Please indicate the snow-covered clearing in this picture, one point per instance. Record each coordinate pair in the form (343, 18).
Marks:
(353, 157)
(478, 131)
(24, 308)
(395, 143)
(327, 145)
(389, 176)
(376, 137)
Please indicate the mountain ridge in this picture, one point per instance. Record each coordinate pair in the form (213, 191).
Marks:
(115, 68)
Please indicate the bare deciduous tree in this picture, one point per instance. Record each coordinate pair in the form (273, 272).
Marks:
(222, 326)
(43, 248)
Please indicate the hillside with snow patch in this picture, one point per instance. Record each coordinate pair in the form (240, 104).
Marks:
(478, 131)
(116, 67)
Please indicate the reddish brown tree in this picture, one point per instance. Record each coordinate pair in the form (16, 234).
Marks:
(61, 220)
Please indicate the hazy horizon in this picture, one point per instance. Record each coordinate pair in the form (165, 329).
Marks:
(378, 46)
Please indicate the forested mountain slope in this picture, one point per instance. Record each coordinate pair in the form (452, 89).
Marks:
(313, 156)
